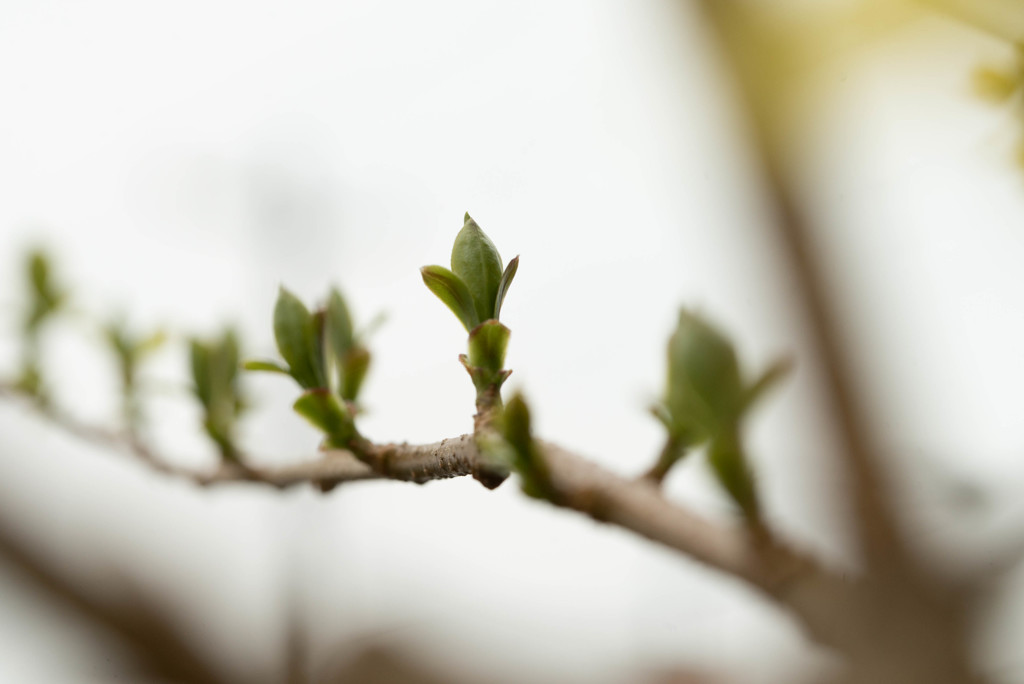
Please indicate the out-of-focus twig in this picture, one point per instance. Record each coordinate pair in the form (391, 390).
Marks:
(634, 504)
(905, 623)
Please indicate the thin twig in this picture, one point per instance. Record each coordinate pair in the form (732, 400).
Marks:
(633, 504)
(406, 462)
(744, 45)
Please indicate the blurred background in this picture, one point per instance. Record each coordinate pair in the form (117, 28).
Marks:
(183, 160)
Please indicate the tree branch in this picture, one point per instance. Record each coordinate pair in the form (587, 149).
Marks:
(633, 504)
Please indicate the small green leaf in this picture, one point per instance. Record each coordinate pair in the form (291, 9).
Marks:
(476, 261)
(774, 374)
(200, 358)
(322, 408)
(339, 325)
(450, 289)
(506, 281)
(294, 330)
(45, 297)
(320, 361)
(265, 365)
(353, 371)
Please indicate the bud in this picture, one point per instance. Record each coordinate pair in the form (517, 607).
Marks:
(526, 457)
(476, 261)
(705, 393)
(215, 378)
(45, 297)
(322, 408)
(296, 336)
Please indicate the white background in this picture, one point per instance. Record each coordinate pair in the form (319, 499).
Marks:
(184, 159)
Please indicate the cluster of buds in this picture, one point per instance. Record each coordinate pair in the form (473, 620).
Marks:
(325, 357)
(474, 289)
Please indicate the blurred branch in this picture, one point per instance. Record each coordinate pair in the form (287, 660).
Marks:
(633, 504)
(747, 45)
(151, 638)
(905, 622)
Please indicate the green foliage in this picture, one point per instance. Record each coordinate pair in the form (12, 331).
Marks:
(130, 349)
(704, 391)
(296, 334)
(46, 297)
(705, 401)
(527, 459)
(450, 289)
(475, 260)
(475, 289)
(705, 396)
(45, 300)
(351, 359)
(325, 357)
(324, 410)
(215, 378)
(487, 344)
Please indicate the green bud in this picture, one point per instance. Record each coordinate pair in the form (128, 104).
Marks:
(527, 459)
(296, 334)
(350, 359)
(215, 378)
(475, 260)
(487, 344)
(45, 297)
(705, 392)
(129, 349)
(322, 408)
